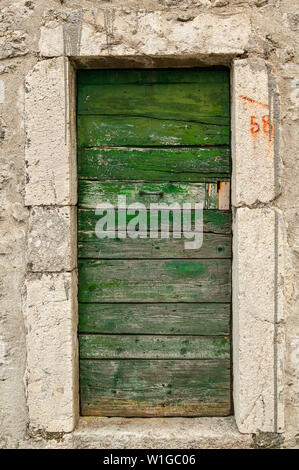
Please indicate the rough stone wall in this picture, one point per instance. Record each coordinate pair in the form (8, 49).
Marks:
(34, 31)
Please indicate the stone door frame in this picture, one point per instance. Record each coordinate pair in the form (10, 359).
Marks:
(50, 295)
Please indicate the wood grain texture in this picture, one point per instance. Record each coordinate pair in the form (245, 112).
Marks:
(207, 101)
(211, 201)
(168, 319)
(155, 387)
(218, 77)
(154, 280)
(224, 195)
(95, 346)
(154, 318)
(124, 131)
(214, 221)
(149, 164)
(89, 246)
(92, 193)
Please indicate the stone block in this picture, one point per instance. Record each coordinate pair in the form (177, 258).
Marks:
(257, 316)
(50, 152)
(51, 244)
(52, 351)
(254, 132)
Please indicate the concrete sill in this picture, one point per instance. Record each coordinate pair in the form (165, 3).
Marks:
(158, 433)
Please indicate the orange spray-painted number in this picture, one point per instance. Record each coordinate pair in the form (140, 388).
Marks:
(255, 127)
(266, 124)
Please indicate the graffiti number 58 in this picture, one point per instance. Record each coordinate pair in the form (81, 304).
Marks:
(255, 125)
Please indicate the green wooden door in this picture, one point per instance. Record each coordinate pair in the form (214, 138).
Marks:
(154, 317)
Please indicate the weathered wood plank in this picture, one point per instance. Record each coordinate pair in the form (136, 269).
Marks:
(204, 103)
(90, 246)
(123, 131)
(91, 193)
(153, 347)
(176, 318)
(149, 164)
(224, 195)
(154, 280)
(219, 77)
(155, 387)
(211, 201)
(214, 221)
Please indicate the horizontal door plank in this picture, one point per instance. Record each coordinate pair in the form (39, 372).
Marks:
(153, 347)
(123, 131)
(204, 103)
(214, 221)
(92, 193)
(154, 280)
(90, 246)
(176, 318)
(155, 387)
(168, 164)
(216, 78)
